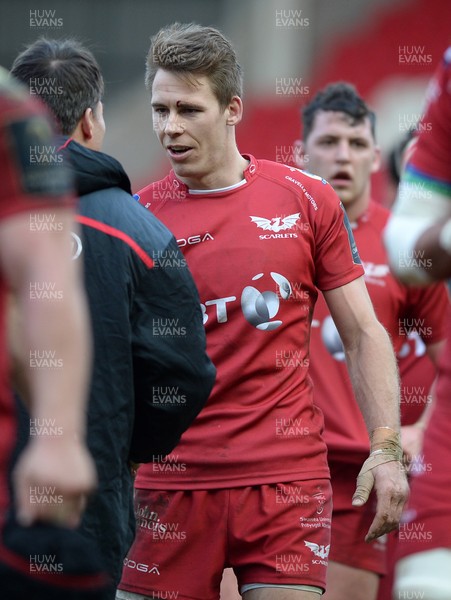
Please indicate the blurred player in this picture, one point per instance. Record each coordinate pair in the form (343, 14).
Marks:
(416, 370)
(339, 145)
(248, 485)
(418, 239)
(32, 194)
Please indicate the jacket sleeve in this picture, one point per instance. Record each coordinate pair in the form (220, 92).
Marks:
(173, 375)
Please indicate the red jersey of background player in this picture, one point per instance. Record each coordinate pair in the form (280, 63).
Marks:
(399, 308)
(27, 185)
(429, 166)
(257, 264)
(428, 159)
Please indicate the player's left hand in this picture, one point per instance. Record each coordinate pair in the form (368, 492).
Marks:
(392, 489)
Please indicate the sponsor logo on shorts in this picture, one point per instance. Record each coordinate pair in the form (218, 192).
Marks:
(321, 501)
(146, 518)
(322, 552)
(142, 567)
(314, 522)
(150, 520)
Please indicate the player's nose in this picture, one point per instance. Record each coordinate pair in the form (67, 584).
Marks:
(174, 125)
(343, 150)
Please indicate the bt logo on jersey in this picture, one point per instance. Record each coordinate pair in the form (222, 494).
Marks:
(259, 308)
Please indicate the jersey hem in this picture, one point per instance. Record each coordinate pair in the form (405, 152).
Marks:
(154, 484)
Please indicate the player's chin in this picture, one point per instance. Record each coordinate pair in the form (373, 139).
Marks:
(180, 169)
(346, 195)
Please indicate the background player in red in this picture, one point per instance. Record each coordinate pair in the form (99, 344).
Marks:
(418, 240)
(28, 255)
(339, 144)
(416, 369)
(248, 486)
(30, 195)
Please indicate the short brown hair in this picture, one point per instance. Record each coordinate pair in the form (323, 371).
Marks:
(194, 49)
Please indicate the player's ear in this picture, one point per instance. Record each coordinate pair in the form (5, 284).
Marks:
(299, 156)
(86, 124)
(83, 132)
(234, 111)
(377, 159)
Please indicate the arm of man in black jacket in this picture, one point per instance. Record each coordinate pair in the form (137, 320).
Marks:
(173, 374)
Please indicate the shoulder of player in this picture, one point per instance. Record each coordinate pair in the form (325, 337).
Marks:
(146, 192)
(378, 215)
(310, 185)
(156, 194)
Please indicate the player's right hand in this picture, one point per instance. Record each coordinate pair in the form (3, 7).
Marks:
(52, 480)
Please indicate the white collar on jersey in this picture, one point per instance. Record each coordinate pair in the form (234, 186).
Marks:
(224, 189)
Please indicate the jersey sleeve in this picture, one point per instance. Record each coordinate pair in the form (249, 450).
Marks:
(337, 260)
(429, 159)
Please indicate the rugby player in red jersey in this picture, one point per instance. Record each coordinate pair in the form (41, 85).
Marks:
(418, 240)
(248, 486)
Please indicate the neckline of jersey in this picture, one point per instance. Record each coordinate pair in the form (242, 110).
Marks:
(249, 172)
(219, 190)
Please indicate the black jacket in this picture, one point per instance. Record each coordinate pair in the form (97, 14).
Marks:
(151, 374)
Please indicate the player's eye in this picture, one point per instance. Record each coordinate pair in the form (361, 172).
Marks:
(359, 144)
(190, 111)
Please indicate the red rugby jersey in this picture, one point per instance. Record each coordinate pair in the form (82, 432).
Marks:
(258, 251)
(429, 166)
(426, 522)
